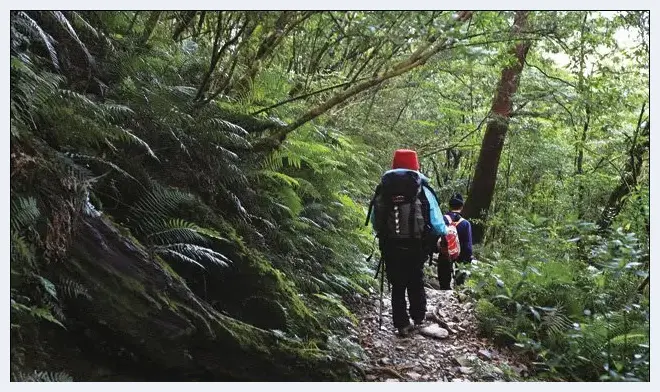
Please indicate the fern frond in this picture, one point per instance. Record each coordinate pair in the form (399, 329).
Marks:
(235, 141)
(234, 175)
(230, 197)
(160, 203)
(80, 21)
(178, 230)
(72, 289)
(38, 376)
(128, 136)
(78, 100)
(45, 314)
(64, 22)
(169, 253)
(20, 250)
(24, 212)
(226, 125)
(199, 254)
(226, 153)
(308, 189)
(555, 322)
(103, 162)
(337, 302)
(48, 286)
(186, 91)
(290, 181)
(117, 111)
(631, 338)
(34, 28)
(273, 162)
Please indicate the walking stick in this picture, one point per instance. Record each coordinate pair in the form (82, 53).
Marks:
(382, 280)
(381, 270)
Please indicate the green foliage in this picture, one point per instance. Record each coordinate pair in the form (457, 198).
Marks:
(40, 376)
(575, 320)
(154, 140)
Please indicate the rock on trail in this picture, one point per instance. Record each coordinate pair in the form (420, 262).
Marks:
(446, 348)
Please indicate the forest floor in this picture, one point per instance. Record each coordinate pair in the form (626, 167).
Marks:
(456, 354)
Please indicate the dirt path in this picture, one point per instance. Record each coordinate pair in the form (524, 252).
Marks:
(459, 357)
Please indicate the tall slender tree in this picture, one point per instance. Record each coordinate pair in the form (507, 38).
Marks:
(485, 172)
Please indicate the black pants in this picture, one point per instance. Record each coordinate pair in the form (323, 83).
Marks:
(447, 270)
(404, 263)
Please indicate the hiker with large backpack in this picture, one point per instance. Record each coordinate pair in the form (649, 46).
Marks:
(407, 220)
(457, 247)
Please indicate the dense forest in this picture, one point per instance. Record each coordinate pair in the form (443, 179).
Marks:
(189, 188)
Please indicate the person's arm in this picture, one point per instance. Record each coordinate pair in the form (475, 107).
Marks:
(465, 238)
(437, 221)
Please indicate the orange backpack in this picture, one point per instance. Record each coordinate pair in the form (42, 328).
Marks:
(453, 248)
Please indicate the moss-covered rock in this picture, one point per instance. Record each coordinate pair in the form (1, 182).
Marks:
(139, 305)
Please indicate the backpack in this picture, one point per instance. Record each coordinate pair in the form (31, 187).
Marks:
(453, 247)
(400, 207)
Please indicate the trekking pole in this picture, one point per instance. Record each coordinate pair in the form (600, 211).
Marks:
(382, 283)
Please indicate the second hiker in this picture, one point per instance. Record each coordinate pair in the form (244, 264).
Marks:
(407, 220)
(458, 245)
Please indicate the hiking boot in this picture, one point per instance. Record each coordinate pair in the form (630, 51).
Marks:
(405, 331)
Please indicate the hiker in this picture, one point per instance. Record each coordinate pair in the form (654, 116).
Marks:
(463, 230)
(408, 222)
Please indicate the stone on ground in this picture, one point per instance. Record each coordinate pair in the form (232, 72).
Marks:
(434, 331)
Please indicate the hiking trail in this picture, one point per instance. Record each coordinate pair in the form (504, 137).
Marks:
(456, 355)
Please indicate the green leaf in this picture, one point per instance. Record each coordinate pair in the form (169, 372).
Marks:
(48, 286)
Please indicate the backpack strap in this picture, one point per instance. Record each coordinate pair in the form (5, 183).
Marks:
(371, 204)
(427, 186)
(449, 219)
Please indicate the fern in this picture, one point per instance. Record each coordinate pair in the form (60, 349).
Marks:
(66, 26)
(48, 286)
(159, 203)
(45, 314)
(40, 376)
(228, 126)
(290, 181)
(630, 338)
(21, 252)
(338, 304)
(194, 254)
(24, 213)
(178, 230)
(103, 162)
(72, 289)
(117, 112)
(128, 136)
(555, 322)
(30, 26)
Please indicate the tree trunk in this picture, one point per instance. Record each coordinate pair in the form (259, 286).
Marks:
(584, 91)
(631, 173)
(485, 173)
(150, 26)
(185, 22)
